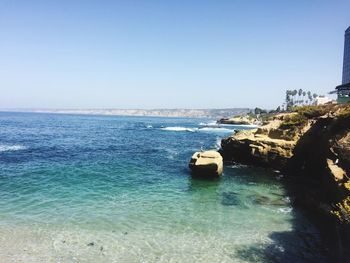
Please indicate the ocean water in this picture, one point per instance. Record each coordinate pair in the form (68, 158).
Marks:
(77, 188)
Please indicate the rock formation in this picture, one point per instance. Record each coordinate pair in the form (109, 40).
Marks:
(310, 146)
(268, 145)
(239, 120)
(206, 164)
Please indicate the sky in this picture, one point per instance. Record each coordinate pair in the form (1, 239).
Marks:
(168, 54)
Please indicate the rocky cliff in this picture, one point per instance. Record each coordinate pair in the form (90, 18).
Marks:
(311, 146)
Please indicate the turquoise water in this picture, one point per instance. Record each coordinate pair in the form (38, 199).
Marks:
(77, 188)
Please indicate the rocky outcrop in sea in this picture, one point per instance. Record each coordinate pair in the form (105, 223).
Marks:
(240, 120)
(206, 164)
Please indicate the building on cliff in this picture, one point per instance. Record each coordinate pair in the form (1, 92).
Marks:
(343, 90)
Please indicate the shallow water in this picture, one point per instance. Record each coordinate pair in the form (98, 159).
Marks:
(77, 188)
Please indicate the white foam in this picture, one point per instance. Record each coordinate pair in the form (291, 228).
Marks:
(285, 210)
(9, 148)
(177, 128)
(287, 199)
(211, 123)
(238, 166)
(216, 129)
(202, 129)
(149, 126)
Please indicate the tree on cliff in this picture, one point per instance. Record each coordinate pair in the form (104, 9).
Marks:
(304, 98)
(300, 92)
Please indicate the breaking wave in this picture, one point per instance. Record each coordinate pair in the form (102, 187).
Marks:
(216, 129)
(204, 129)
(10, 148)
(179, 129)
(211, 123)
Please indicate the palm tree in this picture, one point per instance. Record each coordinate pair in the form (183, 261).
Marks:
(309, 96)
(295, 92)
(299, 94)
(304, 93)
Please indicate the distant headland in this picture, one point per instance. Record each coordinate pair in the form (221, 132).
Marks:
(189, 113)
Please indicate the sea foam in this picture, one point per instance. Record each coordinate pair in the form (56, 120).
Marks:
(216, 129)
(178, 128)
(211, 123)
(9, 148)
(203, 129)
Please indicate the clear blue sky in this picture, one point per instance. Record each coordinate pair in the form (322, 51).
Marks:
(167, 54)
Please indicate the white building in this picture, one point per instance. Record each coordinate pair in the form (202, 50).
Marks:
(320, 100)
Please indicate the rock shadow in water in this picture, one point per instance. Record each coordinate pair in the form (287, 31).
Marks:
(231, 199)
(264, 200)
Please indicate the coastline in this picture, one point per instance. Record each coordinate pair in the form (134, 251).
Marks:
(171, 113)
(310, 148)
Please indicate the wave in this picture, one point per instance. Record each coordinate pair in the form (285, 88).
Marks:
(211, 123)
(204, 129)
(216, 129)
(10, 148)
(177, 128)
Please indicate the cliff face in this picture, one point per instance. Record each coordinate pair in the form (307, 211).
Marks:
(311, 146)
(269, 145)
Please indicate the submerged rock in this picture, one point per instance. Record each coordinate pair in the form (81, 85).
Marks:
(206, 164)
(264, 200)
(230, 199)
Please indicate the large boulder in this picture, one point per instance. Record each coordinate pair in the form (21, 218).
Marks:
(206, 164)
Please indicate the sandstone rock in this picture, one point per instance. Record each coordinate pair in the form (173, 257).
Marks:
(338, 173)
(256, 147)
(206, 164)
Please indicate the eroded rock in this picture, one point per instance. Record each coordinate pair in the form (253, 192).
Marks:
(206, 164)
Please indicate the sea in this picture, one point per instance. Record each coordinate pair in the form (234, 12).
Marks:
(87, 188)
